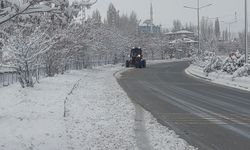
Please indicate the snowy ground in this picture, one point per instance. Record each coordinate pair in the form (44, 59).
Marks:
(219, 77)
(99, 115)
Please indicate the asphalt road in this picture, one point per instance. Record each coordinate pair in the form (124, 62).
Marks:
(208, 116)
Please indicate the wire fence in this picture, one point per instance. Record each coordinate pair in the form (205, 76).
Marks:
(9, 76)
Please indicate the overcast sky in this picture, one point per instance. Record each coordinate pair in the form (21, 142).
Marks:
(165, 11)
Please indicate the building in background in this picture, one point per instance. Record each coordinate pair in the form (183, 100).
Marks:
(180, 34)
(183, 43)
(148, 26)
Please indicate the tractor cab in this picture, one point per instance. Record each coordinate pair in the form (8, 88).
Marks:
(136, 58)
(136, 52)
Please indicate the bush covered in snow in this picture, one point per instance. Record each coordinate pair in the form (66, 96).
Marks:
(214, 65)
(203, 60)
(242, 71)
(25, 53)
(233, 64)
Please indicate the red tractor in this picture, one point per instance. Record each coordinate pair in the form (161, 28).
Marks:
(136, 59)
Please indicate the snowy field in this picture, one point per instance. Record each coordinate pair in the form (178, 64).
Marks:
(99, 115)
(219, 77)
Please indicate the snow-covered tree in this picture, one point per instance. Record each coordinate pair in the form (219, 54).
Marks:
(13, 8)
(177, 26)
(217, 28)
(71, 45)
(242, 71)
(214, 65)
(112, 16)
(25, 53)
(96, 16)
(207, 29)
(233, 62)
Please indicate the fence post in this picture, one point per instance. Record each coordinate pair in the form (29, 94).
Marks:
(12, 76)
(105, 60)
(8, 75)
(3, 79)
(16, 79)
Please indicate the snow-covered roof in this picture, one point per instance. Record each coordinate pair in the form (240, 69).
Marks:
(175, 41)
(188, 40)
(147, 21)
(184, 40)
(179, 32)
(169, 33)
(184, 32)
(5, 68)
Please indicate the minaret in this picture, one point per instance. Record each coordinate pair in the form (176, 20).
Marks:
(151, 17)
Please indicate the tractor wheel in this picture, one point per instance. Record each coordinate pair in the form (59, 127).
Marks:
(143, 63)
(127, 63)
(137, 65)
(140, 65)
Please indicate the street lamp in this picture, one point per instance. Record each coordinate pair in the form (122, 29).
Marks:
(198, 19)
(246, 33)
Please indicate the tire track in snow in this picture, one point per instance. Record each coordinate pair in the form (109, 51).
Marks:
(140, 129)
(142, 140)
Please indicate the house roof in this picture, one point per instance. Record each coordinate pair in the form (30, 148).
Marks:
(179, 32)
(184, 40)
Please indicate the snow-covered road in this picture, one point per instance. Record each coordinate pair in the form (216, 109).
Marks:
(99, 115)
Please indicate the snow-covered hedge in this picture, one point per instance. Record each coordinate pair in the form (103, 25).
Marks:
(234, 64)
(215, 64)
(203, 60)
(242, 71)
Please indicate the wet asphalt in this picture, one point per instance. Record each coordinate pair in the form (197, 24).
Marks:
(206, 115)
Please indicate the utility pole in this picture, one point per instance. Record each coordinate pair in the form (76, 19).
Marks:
(198, 18)
(198, 8)
(246, 33)
(151, 18)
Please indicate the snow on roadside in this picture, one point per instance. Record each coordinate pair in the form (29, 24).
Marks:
(152, 62)
(163, 138)
(31, 118)
(219, 77)
(99, 115)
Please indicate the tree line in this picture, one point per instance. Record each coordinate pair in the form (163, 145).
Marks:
(43, 34)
